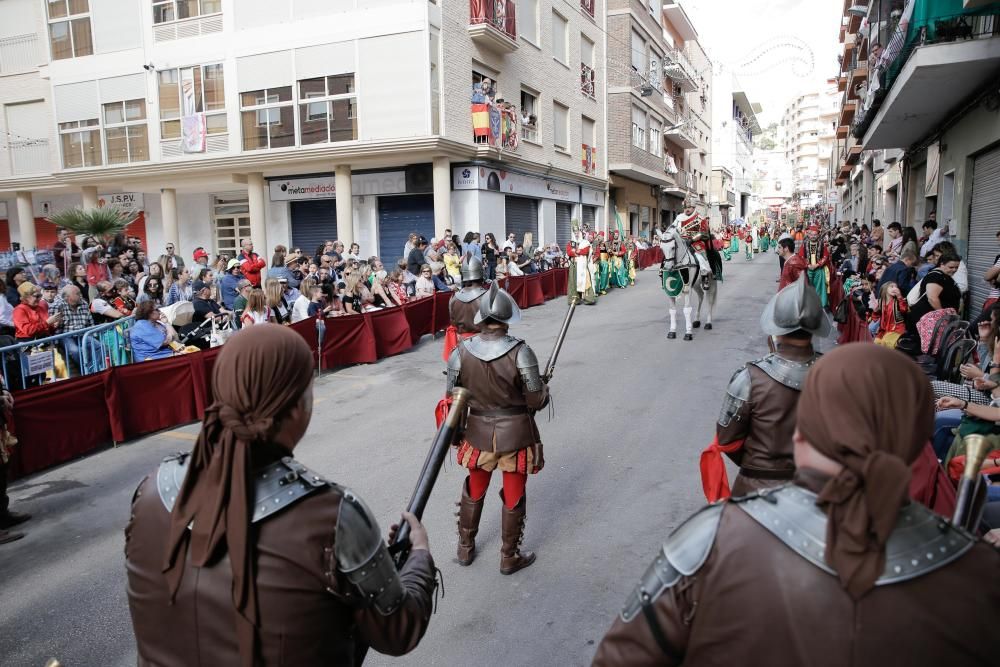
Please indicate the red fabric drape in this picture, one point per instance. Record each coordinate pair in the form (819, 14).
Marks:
(442, 318)
(714, 480)
(930, 486)
(348, 340)
(150, 396)
(853, 330)
(517, 287)
(420, 317)
(534, 295)
(390, 330)
(560, 280)
(548, 280)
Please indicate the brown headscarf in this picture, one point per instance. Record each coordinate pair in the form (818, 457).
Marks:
(872, 410)
(260, 373)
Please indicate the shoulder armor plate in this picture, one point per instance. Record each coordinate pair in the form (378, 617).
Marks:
(792, 374)
(489, 349)
(276, 487)
(469, 294)
(921, 541)
(527, 365)
(684, 552)
(454, 368)
(737, 393)
(364, 558)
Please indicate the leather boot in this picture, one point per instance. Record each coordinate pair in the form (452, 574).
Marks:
(512, 558)
(469, 511)
(7, 536)
(10, 519)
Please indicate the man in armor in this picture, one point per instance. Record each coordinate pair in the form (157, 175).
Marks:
(836, 568)
(464, 304)
(506, 389)
(237, 554)
(758, 412)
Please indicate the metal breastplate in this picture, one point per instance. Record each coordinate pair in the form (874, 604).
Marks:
(276, 487)
(790, 373)
(469, 294)
(920, 542)
(488, 349)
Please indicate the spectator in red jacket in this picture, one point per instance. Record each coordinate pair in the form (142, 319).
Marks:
(250, 263)
(31, 317)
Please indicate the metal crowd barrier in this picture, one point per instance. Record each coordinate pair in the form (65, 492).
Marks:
(83, 352)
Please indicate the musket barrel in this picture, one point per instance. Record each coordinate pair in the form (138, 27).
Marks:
(432, 466)
(550, 366)
(976, 447)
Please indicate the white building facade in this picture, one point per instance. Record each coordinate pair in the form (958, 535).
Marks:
(296, 121)
(734, 125)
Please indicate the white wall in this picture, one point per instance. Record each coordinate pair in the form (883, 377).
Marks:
(393, 78)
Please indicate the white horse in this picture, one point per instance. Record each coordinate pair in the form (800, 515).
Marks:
(679, 258)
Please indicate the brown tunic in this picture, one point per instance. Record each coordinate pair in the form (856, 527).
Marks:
(757, 602)
(309, 613)
(767, 422)
(463, 315)
(497, 385)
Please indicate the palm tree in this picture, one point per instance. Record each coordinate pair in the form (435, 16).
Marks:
(103, 223)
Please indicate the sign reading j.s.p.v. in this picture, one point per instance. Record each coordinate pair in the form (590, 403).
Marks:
(129, 201)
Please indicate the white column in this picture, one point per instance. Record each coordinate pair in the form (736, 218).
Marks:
(168, 209)
(89, 193)
(258, 214)
(345, 206)
(442, 195)
(26, 220)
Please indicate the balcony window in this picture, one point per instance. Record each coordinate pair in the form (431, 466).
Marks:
(529, 117)
(588, 132)
(638, 128)
(199, 90)
(328, 109)
(165, 11)
(587, 6)
(655, 140)
(587, 78)
(560, 126)
(126, 136)
(267, 118)
(69, 29)
(528, 23)
(81, 143)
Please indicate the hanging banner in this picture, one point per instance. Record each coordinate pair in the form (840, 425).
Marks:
(194, 130)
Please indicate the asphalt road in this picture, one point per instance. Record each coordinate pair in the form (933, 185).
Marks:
(632, 412)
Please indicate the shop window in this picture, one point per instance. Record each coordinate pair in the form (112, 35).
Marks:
(126, 137)
(81, 143)
(268, 118)
(328, 109)
(69, 29)
(206, 94)
(177, 10)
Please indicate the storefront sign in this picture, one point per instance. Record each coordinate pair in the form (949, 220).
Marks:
(325, 187)
(592, 197)
(127, 201)
(832, 197)
(499, 180)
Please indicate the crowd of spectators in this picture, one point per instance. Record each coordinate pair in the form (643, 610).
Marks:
(94, 283)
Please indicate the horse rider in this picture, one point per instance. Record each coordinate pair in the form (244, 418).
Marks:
(758, 412)
(694, 229)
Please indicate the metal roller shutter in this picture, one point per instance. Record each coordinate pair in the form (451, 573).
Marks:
(983, 224)
(590, 216)
(522, 217)
(313, 222)
(397, 217)
(564, 224)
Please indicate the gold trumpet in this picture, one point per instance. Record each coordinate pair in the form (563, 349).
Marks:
(967, 507)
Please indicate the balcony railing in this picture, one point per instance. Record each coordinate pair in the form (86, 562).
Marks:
(499, 14)
(587, 80)
(587, 6)
(19, 53)
(495, 125)
(678, 68)
(884, 68)
(30, 157)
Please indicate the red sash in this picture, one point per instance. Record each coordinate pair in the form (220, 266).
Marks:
(451, 338)
(714, 480)
(442, 410)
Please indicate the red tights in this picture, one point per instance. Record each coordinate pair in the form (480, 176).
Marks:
(513, 486)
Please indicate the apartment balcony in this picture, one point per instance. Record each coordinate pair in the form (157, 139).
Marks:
(842, 83)
(504, 135)
(847, 111)
(682, 186)
(927, 74)
(681, 133)
(843, 131)
(857, 75)
(19, 53)
(588, 7)
(679, 69)
(29, 156)
(493, 25)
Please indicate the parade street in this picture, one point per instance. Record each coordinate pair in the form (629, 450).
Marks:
(632, 411)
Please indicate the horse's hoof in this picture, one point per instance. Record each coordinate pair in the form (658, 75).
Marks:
(708, 327)
(671, 335)
(696, 324)
(688, 337)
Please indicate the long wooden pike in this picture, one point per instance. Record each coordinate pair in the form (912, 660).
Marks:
(550, 366)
